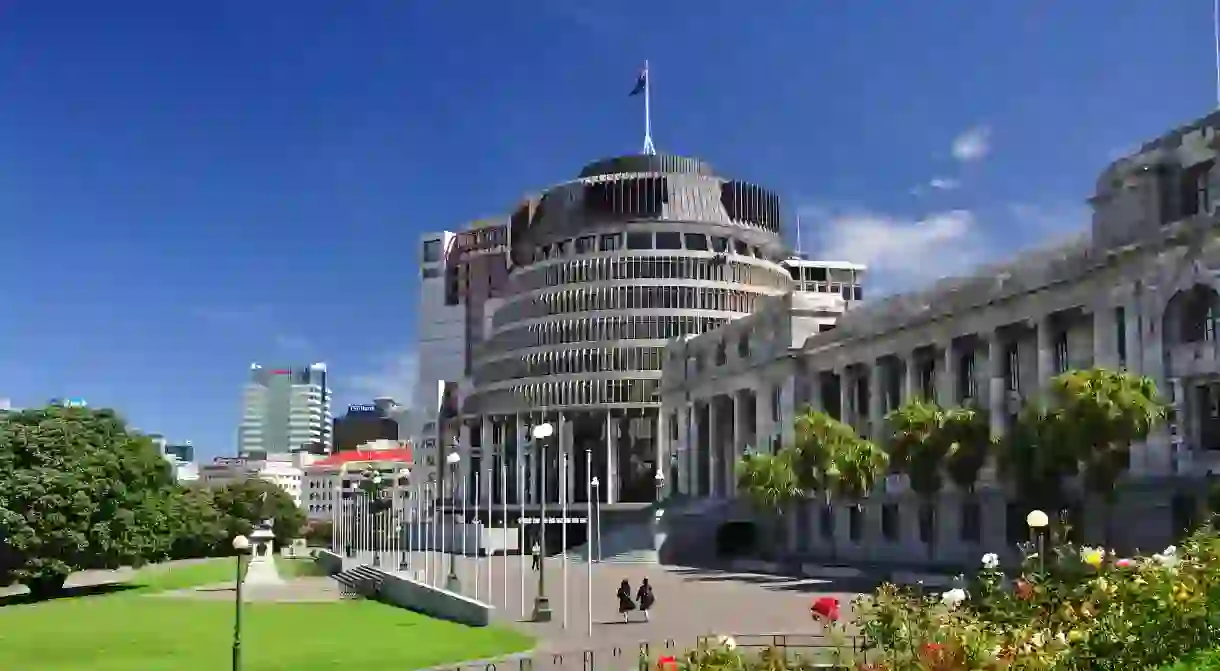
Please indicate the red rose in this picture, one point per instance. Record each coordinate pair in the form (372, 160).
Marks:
(825, 608)
(667, 663)
(932, 651)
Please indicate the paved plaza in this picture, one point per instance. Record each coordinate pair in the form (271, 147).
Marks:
(690, 602)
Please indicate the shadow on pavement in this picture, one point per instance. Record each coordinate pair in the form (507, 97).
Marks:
(67, 593)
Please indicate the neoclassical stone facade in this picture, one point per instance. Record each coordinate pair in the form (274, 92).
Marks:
(1139, 292)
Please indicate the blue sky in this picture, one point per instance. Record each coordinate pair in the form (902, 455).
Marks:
(186, 187)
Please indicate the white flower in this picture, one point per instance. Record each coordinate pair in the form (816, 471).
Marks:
(1170, 551)
(726, 642)
(991, 561)
(953, 597)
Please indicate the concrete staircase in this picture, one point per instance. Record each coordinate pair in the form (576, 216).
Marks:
(359, 582)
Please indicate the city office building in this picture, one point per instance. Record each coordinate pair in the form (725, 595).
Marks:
(327, 479)
(367, 422)
(1139, 292)
(285, 410)
(285, 471)
(462, 276)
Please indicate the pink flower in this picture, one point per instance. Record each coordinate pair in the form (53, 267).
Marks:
(1124, 563)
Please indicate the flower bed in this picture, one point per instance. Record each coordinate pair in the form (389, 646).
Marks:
(1075, 608)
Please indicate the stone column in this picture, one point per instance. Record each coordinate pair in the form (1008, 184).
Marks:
(611, 434)
(1159, 443)
(815, 392)
(1045, 337)
(519, 492)
(695, 449)
(910, 378)
(996, 388)
(713, 448)
(845, 396)
(876, 400)
(464, 466)
(682, 450)
(1133, 336)
(1105, 353)
(739, 446)
(487, 460)
(787, 411)
(764, 428)
(947, 394)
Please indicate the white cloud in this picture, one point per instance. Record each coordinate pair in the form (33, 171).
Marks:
(394, 376)
(901, 252)
(944, 183)
(972, 145)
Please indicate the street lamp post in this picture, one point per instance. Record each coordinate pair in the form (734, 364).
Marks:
(452, 583)
(542, 605)
(1037, 521)
(597, 521)
(241, 545)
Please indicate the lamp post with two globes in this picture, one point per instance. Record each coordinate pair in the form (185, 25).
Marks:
(241, 545)
(542, 605)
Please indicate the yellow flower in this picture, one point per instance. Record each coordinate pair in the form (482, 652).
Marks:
(1075, 635)
(1091, 556)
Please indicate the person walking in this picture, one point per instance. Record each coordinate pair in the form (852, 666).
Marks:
(625, 604)
(645, 597)
(536, 551)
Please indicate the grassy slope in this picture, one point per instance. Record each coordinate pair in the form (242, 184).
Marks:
(128, 630)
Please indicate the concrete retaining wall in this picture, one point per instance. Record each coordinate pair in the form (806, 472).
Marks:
(397, 589)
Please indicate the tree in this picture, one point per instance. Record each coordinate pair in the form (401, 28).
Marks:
(830, 459)
(319, 533)
(197, 528)
(78, 491)
(245, 504)
(1084, 425)
(770, 482)
(928, 442)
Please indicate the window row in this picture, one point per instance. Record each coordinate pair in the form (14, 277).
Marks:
(536, 395)
(613, 268)
(626, 298)
(849, 292)
(646, 240)
(564, 362)
(594, 329)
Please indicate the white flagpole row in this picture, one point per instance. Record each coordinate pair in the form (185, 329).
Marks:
(523, 538)
(465, 519)
(489, 486)
(477, 484)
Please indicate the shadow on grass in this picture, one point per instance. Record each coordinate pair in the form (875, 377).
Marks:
(67, 593)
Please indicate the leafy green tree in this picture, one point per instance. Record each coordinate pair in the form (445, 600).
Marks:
(769, 481)
(78, 491)
(319, 533)
(928, 442)
(197, 528)
(1085, 425)
(245, 504)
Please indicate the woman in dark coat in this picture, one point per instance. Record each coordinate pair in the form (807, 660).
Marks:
(645, 597)
(625, 604)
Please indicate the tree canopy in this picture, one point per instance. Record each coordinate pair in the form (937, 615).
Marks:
(78, 490)
(244, 504)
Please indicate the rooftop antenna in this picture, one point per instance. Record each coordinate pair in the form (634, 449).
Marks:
(644, 85)
(799, 253)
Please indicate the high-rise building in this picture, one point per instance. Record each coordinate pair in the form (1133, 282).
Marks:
(364, 423)
(285, 410)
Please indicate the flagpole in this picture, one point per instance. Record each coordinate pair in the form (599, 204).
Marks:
(523, 538)
(504, 523)
(589, 533)
(489, 486)
(477, 484)
(563, 482)
(648, 148)
(1216, 43)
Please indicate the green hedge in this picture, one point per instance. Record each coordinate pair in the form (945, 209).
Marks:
(1204, 660)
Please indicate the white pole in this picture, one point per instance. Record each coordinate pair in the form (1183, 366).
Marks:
(504, 526)
(563, 529)
(589, 533)
(465, 519)
(436, 533)
(1216, 42)
(476, 516)
(523, 540)
(489, 486)
(648, 148)
(415, 529)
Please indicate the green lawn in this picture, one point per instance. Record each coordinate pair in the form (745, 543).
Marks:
(130, 630)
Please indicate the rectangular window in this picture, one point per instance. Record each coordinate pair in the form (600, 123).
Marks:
(586, 244)
(972, 523)
(1012, 369)
(610, 242)
(855, 523)
(639, 240)
(1061, 352)
(740, 248)
(857, 293)
(1120, 333)
(669, 240)
(927, 522)
(720, 245)
(889, 521)
(696, 242)
(430, 273)
(432, 251)
(826, 523)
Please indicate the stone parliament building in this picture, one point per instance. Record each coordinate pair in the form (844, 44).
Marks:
(1139, 292)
